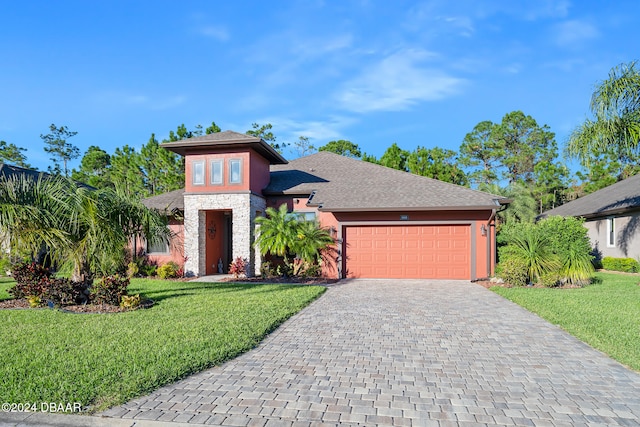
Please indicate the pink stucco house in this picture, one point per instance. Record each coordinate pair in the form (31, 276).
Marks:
(387, 223)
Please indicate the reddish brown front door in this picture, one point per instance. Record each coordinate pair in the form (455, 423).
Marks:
(411, 251)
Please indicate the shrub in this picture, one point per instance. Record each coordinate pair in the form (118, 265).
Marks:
(130, 301)
(513, 271)
(63, 291)
(627, 265)
(532, 248)
(34, 301)
(569, 240)
(168, 270)
(109, 290)
(28, 276)
(549, 280)
(238, 267)
(148, 270)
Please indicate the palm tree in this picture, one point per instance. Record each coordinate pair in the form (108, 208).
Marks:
(86, 229)
(523, 207)
(533, 249)
(615, 105)
(282, 234)
(277, 232)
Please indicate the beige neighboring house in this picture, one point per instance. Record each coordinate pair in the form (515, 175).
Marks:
(612, 217)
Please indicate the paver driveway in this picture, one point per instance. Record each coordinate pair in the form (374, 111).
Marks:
(406, 353)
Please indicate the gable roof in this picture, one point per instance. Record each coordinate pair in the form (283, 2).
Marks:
(222, 140)
(617, 198)
(344, 184)
(167, 202)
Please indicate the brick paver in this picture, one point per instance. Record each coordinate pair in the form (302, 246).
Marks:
(406, 353)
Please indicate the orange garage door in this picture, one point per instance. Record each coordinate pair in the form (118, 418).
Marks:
(412, 251)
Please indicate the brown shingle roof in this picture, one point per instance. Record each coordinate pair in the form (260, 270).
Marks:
(342, 184)
(167, 202)
(226, 139)
(619, 197)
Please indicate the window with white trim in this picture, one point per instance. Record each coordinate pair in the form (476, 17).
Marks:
(611, 232)
(197, 172)
(216, 172)
(235, 171)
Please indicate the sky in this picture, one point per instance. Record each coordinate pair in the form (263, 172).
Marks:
(417, 73)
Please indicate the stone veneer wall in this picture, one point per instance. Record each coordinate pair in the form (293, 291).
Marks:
(244, 207)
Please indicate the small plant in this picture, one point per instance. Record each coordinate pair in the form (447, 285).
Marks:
(266, 271)
(130, 302)
(148, 270)
(132, 269)
(34, 301)
(627, 265)
(238, 267)
(109, 290)
(168, 270)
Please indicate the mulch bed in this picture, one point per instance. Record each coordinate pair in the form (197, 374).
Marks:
(22, 303)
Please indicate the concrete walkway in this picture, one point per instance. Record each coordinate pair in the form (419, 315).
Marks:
(401, 353)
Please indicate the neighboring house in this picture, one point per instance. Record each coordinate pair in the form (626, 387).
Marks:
(612, 218)
(387, 223)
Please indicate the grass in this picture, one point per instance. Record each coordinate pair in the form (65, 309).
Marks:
(604, 315)
(5, 284)
(101, 360)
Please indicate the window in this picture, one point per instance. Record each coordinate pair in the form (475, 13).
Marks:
(198, 173)
(305, 216)
(235, 171)
(160, 246)
(611, 232)
(216, 172)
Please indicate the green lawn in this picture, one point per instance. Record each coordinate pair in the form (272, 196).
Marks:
(101, 360)
(5, 283)
(604, 315)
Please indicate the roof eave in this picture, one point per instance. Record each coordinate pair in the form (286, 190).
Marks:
(410, 208)
(260, 146)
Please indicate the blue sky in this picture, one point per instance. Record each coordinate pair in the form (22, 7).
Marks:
(373, 72)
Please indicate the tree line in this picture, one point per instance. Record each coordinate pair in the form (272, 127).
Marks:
(516, 157)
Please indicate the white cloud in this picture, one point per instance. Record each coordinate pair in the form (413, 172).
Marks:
(316, 130)
(571, 33)
(215, 32)
(396, 83)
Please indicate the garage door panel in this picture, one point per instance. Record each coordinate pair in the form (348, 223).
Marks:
(425, 251)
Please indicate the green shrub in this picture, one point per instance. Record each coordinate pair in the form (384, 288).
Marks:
(549, 279)
(627, 265)
(148, 270)
(513, 271)
(569, 240)
(168, 270)
(109, 290)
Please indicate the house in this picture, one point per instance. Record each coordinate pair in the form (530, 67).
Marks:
(387, 223)
(612, 218)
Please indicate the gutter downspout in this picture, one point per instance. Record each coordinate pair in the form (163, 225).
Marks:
(490, 234)
(493, 234)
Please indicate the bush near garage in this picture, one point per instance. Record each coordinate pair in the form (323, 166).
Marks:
(627, 265)
(554, 251)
